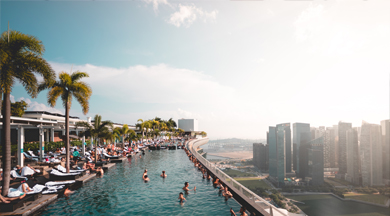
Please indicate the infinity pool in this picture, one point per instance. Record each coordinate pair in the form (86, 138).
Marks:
(122, 192)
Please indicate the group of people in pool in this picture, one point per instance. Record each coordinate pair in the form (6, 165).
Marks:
(216, 182)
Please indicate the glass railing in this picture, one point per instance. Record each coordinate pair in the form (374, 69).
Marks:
(256, 201)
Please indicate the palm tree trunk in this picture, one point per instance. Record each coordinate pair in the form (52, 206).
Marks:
(6, 142)
(67, 137)
(96, 156)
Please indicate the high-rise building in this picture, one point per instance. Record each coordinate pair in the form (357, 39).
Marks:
(301, 137)
(272, 148)
(281, 152)
(371, 154)
(287, 142)
(353, 161)
(385, 124)
(260, 156)
(315, 163)
(343, 127)
(329, 148)
(336, 145)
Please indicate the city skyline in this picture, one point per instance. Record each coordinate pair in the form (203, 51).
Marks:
(243, 71)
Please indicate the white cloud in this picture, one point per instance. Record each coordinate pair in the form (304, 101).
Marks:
(155, 84)
(156, 3)
(187, 14)
(12, 98)
(309, 22)
(35, 106)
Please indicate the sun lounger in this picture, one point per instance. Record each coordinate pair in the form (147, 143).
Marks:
(29, 157)
(63, 170)
(109, 156)
(27, 171)
(56, 175)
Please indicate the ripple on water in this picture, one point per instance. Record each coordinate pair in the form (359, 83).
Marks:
(121, 191)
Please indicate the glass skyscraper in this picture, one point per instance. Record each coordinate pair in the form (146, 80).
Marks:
(301, 138)
(271, 140)
(316, 161)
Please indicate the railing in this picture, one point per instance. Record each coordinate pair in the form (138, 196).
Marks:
(263, 206)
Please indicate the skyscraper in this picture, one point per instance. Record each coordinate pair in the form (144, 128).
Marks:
(316, 161)
(301, 138)
(353, 161)
(386, 148)
(260, 156)
(281, 152)
(287, 141)
(336, 145)
(343, 127)
(273, 162)
(371, 154)
(329, 148)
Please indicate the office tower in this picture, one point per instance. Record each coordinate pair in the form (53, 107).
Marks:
(301, 138)
(315, 161)
(329, 148)
(343, 127)
(287, 141)
(336, 144)
(260, 156)
(313, 131)
(273, 162)
(385, 124)
(353, 161)
(281, 152)
(371, 154)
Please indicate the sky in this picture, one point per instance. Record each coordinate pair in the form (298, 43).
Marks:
(236, 66)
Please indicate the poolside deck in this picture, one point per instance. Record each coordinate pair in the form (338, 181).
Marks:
(33, 206)
(86, 178)
(108, 166)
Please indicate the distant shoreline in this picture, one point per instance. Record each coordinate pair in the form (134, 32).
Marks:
(244, 155)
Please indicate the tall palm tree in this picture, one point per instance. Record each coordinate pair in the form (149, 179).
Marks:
(68, 86)
(140, 124)
(123, 132)
(99, 129)
(20, 58)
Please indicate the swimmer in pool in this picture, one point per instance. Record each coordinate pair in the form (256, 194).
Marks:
(146, 178)
(186, 185)
(181, 197)
(163, 174)
(242, 211)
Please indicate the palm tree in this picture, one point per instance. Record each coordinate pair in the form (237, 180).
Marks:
(99, 129)
(20, 58)
(141, 126)
(123, 132)
(68, 86)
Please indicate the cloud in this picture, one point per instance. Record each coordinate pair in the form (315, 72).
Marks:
(12, 98)
(35, 106)
(187, 14)
(308, 23)
(152, 84)
(156, 3)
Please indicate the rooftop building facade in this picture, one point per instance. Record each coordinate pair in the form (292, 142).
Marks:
(188, 125)
(287, 143)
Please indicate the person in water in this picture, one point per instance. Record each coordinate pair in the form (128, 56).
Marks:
(99, 171)
(242, 211)
(68, 192)
(186, 185)
(181, 197)
(226, 193)
(146, 178)
(163, 174)
(145, 173)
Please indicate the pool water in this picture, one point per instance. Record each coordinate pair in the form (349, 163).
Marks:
(121, 190)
